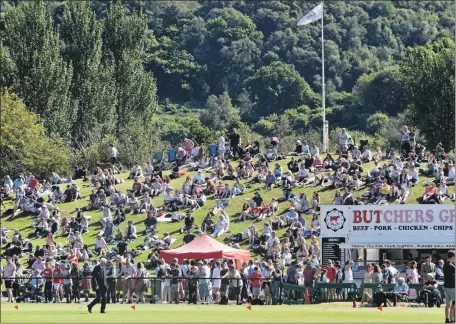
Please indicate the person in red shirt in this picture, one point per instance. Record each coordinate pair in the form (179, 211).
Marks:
(331, 272)
(48, 274)
(33, 183)
(256, 281)
(73, 257)
(57, 282)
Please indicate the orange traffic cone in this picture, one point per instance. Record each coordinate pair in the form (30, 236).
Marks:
(307, 296)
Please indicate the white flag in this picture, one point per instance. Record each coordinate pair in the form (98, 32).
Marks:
(313, 15)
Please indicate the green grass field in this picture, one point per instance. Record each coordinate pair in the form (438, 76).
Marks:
(24, 222)
(146, 313)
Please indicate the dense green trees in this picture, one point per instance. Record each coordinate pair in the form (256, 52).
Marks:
(97, 71)
(428, 73)
(43, 78)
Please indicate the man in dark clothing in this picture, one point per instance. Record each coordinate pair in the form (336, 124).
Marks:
(122, 247)
(235, 141)
(151, 220)
(188, 221)
(449, 287)
(100, 285)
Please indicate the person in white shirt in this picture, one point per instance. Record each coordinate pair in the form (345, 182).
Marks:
(272, 239)
(9, 272)
(100, 244)
(303, 174)
(220, 227)
(199, 177)
(305, 148)
(128, 272)
(221, 147)
(348, 272)
(443, 191)
(450, 178)
(114, 154)
(342, 139)
(394, 272)
(314, 151)
(413, 175)
(38, 265)
(44, 213)
(216, 281)
(367, 156)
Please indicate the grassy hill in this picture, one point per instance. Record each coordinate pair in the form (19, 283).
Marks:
(23, 222)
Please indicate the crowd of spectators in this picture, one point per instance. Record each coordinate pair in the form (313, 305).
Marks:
(64, 269)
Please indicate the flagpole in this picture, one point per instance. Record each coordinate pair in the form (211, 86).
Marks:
(323, 82)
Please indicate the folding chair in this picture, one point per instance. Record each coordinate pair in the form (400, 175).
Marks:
(172, 156)
(158, 158)
(213, 149)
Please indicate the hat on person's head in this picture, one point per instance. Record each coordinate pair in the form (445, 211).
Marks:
(292, 208)
(200, 262)
(379, 287)
(388, 262)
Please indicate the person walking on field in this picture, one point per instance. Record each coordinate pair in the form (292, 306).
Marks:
(100, 285)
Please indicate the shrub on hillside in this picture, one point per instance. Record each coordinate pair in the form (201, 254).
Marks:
(24, 146)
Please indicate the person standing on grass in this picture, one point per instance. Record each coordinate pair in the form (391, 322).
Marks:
(235, 142)
(449, 286)
(9, 272)
(128, 272)
(256, 281)
(76, 279)
(48, 273)
(114, 154)
(100, 285)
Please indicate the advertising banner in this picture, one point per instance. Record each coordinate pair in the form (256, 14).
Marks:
(392, 226)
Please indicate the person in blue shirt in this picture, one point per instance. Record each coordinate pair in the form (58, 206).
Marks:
(19, 182)
(292, 215)
(8, 182)
(270, 180)
(401, 287)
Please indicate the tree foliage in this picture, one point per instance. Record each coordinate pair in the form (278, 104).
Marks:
(428, 73)
(95, 71)
(43, 77)
(24, 145)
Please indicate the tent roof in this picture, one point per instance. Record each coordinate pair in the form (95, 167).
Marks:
(204, 247)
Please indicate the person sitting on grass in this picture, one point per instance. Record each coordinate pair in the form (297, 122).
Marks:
(130, 232)
(270, 180)
(302, 176)
(384, 193)
(293, 165)
(136, 171)
(430, 195)
(221, 227)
